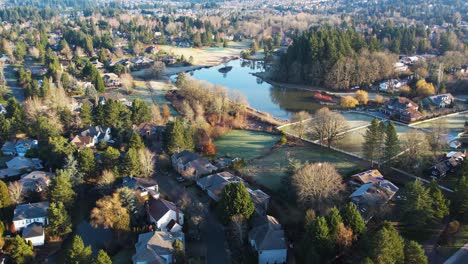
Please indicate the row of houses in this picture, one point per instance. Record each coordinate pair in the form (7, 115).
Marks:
(266, 236)
(406, 110)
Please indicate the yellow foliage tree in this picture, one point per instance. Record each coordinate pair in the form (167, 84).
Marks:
(424, 89)
(362, 96)
(348, 101)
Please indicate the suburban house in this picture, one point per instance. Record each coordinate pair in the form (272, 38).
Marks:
(23, 163)
(268, 240)
(36, 181)
(214, 185)
(91, 135)
(369, 176)
(156, 247)
(438, 101)
(34, 233)
(142, 187)
(152, 50)
(111, 80)
(165, 215)
(26, 214)
(452, 161)
(147, 129)
(371, 197)
(190, 164)
(19, 147)
(402, 108)
(391, 85)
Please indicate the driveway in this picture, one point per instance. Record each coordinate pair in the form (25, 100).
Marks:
(213, 241)
(11, 81)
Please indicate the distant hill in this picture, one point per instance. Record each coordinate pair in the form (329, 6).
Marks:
(52, 3)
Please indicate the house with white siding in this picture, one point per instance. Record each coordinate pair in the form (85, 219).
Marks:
(165, 215)
(268, 240)
(26, 214)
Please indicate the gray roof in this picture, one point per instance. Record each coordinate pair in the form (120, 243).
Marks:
(157, 208)
(93, 131)
(33, 230)
(216, 182)
(152, 245)
(186, 156)
(30, 211)
(267, 234)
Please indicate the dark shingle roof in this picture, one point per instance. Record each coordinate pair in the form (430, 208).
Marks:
(31, 210)
(33, 230)
(157, 208)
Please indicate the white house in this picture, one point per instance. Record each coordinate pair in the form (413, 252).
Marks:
(34, 233)
(26, 214)
(268, 240)
(91, 135)
(165, 215)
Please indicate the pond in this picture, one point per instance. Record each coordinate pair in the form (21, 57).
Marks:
(244, 144)
(279, 102)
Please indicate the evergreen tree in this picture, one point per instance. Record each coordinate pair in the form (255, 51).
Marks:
(102, 258)
(99, 83)
(78, 253)
(372, 143)
(235, 200)
(189, 144)
(440, 205)
(110, 158)
(135, 141)
(5, 200)
(60, 223)
(353, 219)
(175, 133)
(87, 163)
(320, 235)
(417, 208)
(130, 163)
(414, 253)
(334, 220)
(60, 189)
(45, 87)
(85, 115)
(140, 112)
(461, 198)
(388, 246)
(21, 252)
(392, 142)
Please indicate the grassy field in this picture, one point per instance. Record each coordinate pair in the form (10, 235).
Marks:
(454, 124)
(245, 144)
(204, 56)
(269, 170)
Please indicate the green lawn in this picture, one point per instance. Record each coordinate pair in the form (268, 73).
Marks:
(245, 144)
(269, 170)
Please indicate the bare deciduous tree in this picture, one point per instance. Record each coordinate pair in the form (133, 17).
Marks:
(438, 136)
(127, 83)
(317, 185)
(238, 228)
(416, 149)
(328, 125)
(344, 236)
(299, 119)
(106, 210)
(16, 192)
(156, 114)
(147, 159)
(106, 179)
(157, 70)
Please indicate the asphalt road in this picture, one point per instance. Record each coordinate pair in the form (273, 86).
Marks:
(213, 240)
(11, 81)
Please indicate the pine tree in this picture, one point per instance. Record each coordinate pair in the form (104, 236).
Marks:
(417, 208)
(59, 221)
(85, 115)
(176, 140)
(372, 141)
(87, 163)
(461, 198)
(414, 253)
(44, 90)
(140, 112)
(235, 200)
(334, 220)
(320, 235)
(99, 83)
(110, 158)
(78, 253)
(440, 205)
(5, 200)
(60, 189)
(21, 252)
(130, 163)
(135, 141)
(388, 246)
(353, 219)
(102, 258)
(392, 142)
